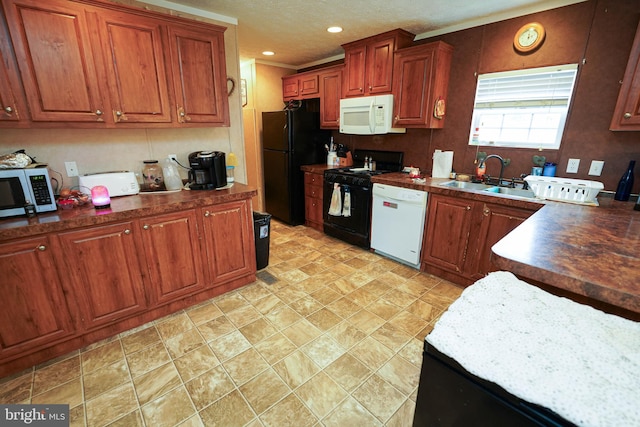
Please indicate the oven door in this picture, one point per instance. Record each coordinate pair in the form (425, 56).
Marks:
(355, 228)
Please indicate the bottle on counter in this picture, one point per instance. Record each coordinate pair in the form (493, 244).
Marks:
(152, 176)
(626, 183)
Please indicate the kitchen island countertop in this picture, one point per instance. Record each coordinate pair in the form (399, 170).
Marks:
(122, 209)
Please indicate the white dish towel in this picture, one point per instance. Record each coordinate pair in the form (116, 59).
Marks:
(346, 206)
(335, 208)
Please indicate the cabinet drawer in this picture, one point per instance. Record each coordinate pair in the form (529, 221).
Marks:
(313, 209)
(313, 179)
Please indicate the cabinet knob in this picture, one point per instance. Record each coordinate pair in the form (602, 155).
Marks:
(42, 248)
(118, 113)
(207, 213)
(127, 231)
(98, 112)
(8, 109)
(627, 115)
(468, 208)
(146, 226)
(486, 211)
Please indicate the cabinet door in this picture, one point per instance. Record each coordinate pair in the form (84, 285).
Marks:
(229, 242)
(12, 104)
(497, 222)
(412, 77)
(199, 75)
(448, 226)
(105, 271)
(37, 313)
(135, 68)
(330, 94)
(379, 66)
(290, 87)
(52, 47)
(626, 115)
(172, 251)
(309, 85)
(354, 75)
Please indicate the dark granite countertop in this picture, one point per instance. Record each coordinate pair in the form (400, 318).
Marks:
(122, 209)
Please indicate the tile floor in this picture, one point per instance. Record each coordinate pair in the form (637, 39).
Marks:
(328, 335)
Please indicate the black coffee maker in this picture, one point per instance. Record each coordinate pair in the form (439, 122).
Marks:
(208, 170)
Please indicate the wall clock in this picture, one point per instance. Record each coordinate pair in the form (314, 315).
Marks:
(529, 37)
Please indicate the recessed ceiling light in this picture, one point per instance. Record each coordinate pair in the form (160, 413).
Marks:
(268, 53)
(334, 29)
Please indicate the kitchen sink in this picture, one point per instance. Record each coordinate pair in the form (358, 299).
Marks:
(511, 191)
(467, 185)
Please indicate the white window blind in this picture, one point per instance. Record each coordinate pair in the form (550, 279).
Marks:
(523, 108)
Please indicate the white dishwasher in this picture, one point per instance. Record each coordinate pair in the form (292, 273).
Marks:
(397, 222)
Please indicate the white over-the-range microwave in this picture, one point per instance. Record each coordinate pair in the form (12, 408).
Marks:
(368, 115)
(25, 192)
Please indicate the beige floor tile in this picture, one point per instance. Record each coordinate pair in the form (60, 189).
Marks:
(321, 394)
(312, 268)
(230, 411)
(325, 296)
(378, 287)
(156, 383)
(401, 374)
(302, 332)
(275, 348)
(76, 417)
(244, 315)
(424, 310)
(414, 288)
(141, 339)
(254, 292)
(258, 330)
(282, 317)
(16, 390)
(229, 345)
(68, 393)
(181, 344)
(102, 356)
(267, 304)
(133, 419)
(343, 286)
(323, 350)
(209, 387)
(194, 421)
(399, 298)
(231, 301)
(391, 337)
(346, 334)
(362, 297)
(173, 325)
(204, 313)
(413, 351)
(169, 409)
(351, 413)
(53, 375)
(348, 372)
(296, 369)
(344, 307)
(403, 416)
(147, 359)
(408, 322)
(216, 328)
(436, 300)
(371, 353)
(324, 319)
(383, 308)
(264, 391)
(245, 366)
(305, 305)
(290, 293)
(103, 379)
(111, 405)
(290, 411)
(196, 362)
(366, 321)
(379, 397)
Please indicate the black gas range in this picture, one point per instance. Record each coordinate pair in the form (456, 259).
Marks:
(347, 195)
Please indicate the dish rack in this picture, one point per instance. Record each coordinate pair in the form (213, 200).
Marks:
(565, 189)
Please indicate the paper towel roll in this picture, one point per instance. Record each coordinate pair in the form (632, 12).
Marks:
(442, 164)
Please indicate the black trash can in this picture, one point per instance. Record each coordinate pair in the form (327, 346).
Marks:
(261, 233)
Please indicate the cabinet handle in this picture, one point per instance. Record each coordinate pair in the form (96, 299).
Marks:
(468, 208)
(486, 211)
(118, 113)
(627, 115)
(146, 226)
(98, 112)
(207, 213)
(8, 109)
(127, 231)
(42, 248)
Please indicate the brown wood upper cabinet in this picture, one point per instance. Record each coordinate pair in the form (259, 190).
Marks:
(53, 50)
(626, 115)
(89, 62)
(300, 86)
(369, 63)
(420, 83)
(12, 103)
(330, 94)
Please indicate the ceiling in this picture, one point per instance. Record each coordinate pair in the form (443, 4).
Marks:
(296, 29)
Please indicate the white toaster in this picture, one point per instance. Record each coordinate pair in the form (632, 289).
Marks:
(121, 183)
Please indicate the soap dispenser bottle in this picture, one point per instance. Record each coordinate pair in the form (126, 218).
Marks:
(626, 183)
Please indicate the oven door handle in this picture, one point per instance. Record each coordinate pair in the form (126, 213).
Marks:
(372, 116)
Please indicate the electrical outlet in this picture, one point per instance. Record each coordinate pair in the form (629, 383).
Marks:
(173, 157)
(573, 165)
(72, 169)
(596, 167)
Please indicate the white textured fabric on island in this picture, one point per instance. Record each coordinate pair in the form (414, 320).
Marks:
(579, 362)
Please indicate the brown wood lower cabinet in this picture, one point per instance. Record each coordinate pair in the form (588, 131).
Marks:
(34, 311)
(68, 289)
(460, 233)
(313, 200)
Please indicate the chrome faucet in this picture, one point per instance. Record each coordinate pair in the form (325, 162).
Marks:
(495, 156)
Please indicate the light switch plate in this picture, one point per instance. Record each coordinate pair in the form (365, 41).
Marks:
(72, 169)
(596, 167)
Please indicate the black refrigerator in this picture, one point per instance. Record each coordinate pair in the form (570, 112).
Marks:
(290, 138)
